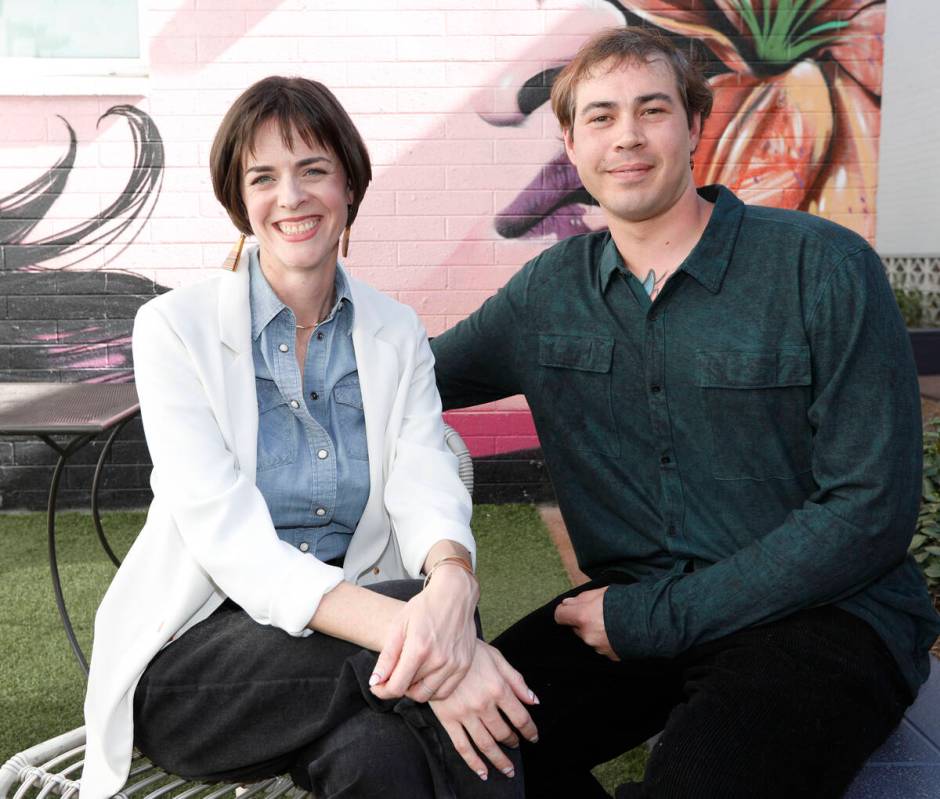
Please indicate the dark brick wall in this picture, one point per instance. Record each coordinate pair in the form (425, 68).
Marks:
(61, 326)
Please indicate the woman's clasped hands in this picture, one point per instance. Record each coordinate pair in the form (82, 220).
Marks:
(432, 654)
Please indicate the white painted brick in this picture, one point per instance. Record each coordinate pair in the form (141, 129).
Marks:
(501, 22)
(432, 203)
(440, 252)
(403, 278)
(527, 151)
(396, 75)
(444, 302)
(400, 228)
(497, 176)
(308, 23)
(377, 203)
(396, 23)
(370, 253)
(474, 277)
(410, 177)
(444, 152)
(445, 48)
(253, 50)
(400, 126)
(367, 101)
(346, 49)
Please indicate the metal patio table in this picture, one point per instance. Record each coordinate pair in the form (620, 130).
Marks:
(77, 412)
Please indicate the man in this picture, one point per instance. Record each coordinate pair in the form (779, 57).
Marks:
(727, 403)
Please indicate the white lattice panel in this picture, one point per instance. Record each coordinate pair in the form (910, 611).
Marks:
(919, 272)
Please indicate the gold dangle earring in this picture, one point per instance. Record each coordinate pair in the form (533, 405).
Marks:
(345, 237)
(234, 255)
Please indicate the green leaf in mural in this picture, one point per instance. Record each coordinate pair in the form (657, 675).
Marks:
(779, 37)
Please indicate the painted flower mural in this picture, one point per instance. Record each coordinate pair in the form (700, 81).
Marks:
(796, 116)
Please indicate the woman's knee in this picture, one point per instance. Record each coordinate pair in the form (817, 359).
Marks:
(370, 755)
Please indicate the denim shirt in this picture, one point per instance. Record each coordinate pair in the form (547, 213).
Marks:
(313, 464)
(745, 445)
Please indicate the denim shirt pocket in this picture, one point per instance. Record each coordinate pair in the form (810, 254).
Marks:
(756, 403)
(351, 428)
(277, 439)
(574, 392)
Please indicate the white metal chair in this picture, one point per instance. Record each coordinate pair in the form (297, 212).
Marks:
(54, 767)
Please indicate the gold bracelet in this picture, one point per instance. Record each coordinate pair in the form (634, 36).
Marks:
(457, 561)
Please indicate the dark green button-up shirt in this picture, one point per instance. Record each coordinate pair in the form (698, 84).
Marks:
(746, 445)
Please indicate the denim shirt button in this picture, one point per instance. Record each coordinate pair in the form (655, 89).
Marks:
(283, 347)
(294, 404)
(665, 460)
(321, 511)
(314, 395)
(303, 546)
(322, 454)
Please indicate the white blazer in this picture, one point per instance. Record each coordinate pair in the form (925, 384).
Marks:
(209, 534)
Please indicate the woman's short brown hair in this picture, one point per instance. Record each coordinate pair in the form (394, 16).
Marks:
(295, 103)
(630, 44)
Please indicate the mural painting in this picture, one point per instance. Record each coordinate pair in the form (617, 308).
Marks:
(796, 123)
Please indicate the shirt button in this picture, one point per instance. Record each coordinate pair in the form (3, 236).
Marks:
(321, 511)
(304, 546)
(314, 395)
(294, 404)
(322, 454)
(319, 337)
(655, 389)
(665, 459)
(283, 347)
(376, 570)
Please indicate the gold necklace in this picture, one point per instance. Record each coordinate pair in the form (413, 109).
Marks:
(323, 315)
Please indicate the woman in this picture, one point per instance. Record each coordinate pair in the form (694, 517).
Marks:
(295, 431)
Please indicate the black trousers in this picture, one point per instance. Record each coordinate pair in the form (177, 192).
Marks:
(238, 701)
(790, 709)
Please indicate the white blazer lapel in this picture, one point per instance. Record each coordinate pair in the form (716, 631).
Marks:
(240, 397)
(377, 363)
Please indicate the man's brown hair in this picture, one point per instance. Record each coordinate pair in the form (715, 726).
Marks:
(295, 104)
(630, 45)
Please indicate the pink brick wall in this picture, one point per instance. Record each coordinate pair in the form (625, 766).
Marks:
(434, 87)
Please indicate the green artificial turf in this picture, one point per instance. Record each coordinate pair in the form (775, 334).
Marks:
(41, 687)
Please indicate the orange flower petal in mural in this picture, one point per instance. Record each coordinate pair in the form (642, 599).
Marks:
(675, 17)
(846, 191)
(860, 51)
(772, 149)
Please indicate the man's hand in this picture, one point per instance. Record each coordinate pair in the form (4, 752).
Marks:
(585, 613)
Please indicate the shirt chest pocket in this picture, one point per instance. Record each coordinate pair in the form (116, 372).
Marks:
(351, 424)
(277, 434)
(756, 406)
(574, 400)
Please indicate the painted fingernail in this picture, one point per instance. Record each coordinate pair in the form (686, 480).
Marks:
(533, 698)
(482, 775)
(534, 739)
(509, 771)
(375, 678)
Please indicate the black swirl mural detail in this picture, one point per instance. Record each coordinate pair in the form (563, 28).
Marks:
(61, 319)
(22, 210)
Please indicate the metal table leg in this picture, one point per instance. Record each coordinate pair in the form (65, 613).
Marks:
(64, 453)
(94, 492)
